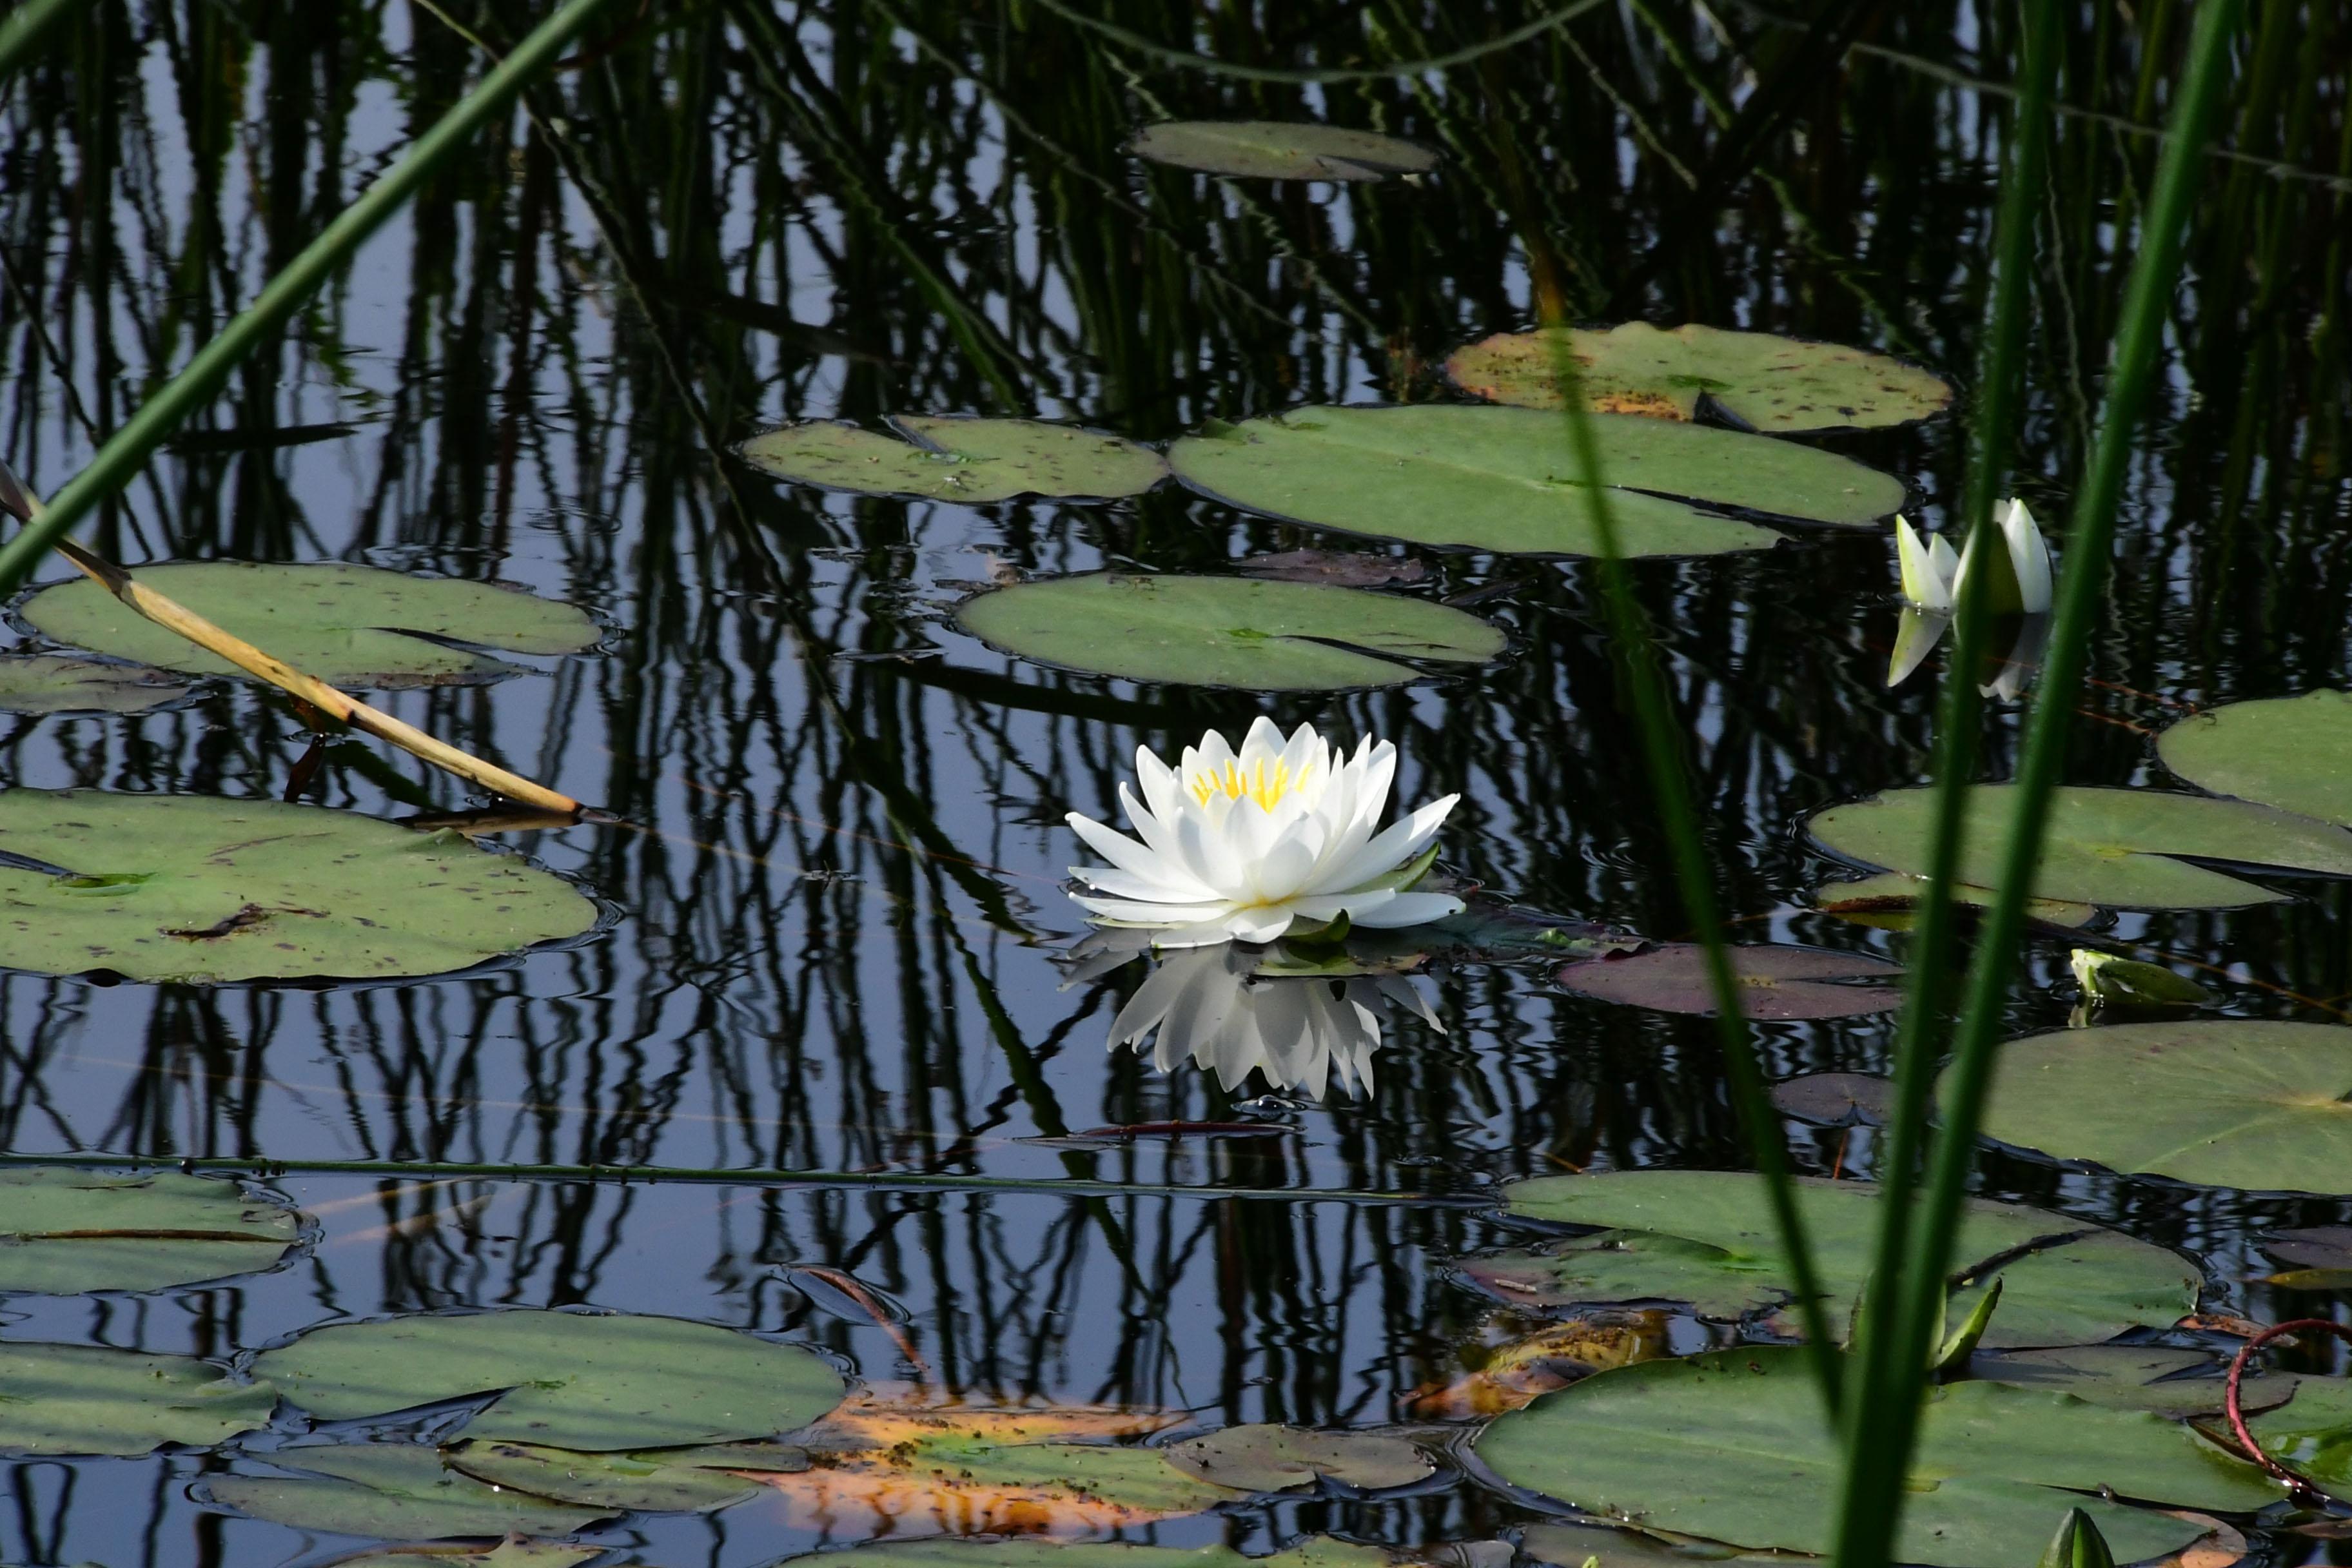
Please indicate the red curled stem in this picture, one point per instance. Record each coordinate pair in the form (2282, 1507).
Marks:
(2301, 1488)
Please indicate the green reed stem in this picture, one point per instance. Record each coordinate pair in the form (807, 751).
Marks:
(1662, 755)
(1869, 1542)
(1881, 1415)
(22, 32)
(131, 447)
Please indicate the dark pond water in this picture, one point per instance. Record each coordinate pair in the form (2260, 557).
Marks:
(835, 857)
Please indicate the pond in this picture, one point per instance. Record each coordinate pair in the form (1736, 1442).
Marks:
(774, 1160)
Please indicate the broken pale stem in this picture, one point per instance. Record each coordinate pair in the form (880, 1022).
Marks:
(176, 618)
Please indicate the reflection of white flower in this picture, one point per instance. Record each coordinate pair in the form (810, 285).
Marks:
(1294, 1032)
(1932, 574)
(1236, 846)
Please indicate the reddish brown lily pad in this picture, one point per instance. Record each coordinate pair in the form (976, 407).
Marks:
(1776, 982)
(1836, 1099)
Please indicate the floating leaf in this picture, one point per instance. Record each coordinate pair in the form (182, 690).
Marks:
(1317, 1552)
(2128, 983)
(93, 1399)
(2104, 847)
(1574, 1545)
(2227, 1102)
(659, 1481)
(1735, 1448)
(2293, 752)
(914, 1469)
(573, 1380)
(1889, 899)
(1264, 1457)
(1507, 1375)
(2312, 1432)
(2319, 1247)
(351, 626)
(1707, 1238)
(1498, 479)
(1836, 1099)
(2155, 1378)
(1763, 381)
(1225, 631)
(61, 683)
(194, 889)
(394, 1492)
(64, 1232)
(1775, 982)
(512, 1553)
(958, 459)
(1276, 150)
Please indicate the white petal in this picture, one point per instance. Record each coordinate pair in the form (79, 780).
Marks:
(1265, 922)
(1138, 860)
(2028, 552)
(1149, 911)
(1392, 848)
(1923, 583)
(1147, 889)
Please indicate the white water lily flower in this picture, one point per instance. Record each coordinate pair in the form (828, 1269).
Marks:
(1236, 846)
(1932, 574)
(1295, 1033)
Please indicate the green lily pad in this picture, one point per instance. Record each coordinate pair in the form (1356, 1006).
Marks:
(1736, 1448)
(1274, 150)
(2104, 846)
(1707, 1238)
(1225, 631)
(64, 1232)
(1574, 1545)
(350, 625)
(2223, 1102)
(1763, 381)
(2293, 752)
(652, 1482)
(1317, 1552)
(396, 1492)
(2164, 1381)
(92, 1399)
(191, 889)
(1889, 899)
(2312, 1432)
(1499, 478)
(958, 459)
(515, 1552)
(572, 1380)
(1775, 982)
(1264, 1457)
(61, 683)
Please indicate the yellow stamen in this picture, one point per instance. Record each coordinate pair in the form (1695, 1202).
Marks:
(1255, 784)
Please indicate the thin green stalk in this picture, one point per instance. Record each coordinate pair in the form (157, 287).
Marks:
(1653, 721)
(131, 447)
(1873, 1421)
(2081, 587)
(751, 1176)
(22, 33)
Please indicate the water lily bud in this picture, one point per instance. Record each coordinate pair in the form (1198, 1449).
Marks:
(2078, 1544)
(1928, 566)
(2104, 977)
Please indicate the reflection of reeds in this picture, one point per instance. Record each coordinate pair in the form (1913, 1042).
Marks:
(750, 1013)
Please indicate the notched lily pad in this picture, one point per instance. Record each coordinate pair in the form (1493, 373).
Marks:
(65, 1232)
(192, 889)
(1775, 982)
(1501, 479)
(2225, 1102)
(513, 1552)
(1836, 1099)
(1762, 381)
(396, 1492)
(1735, 1448)
(1317, 1551)
(93, 1399)
(1276, 150)
(1225, 631)
(2159, 1379)
(2114, 847)
(571, 1380)
(958, 459)
(61, 683)
(1345, 568)
(1264, 1457)
(1707, 1240)
(1890, 900)
(695, 1480)
(350, 625)
(2293, 752)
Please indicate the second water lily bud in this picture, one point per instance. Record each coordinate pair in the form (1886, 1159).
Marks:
(2018, 567)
